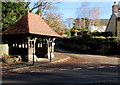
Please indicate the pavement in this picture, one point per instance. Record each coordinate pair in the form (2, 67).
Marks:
(26, 65)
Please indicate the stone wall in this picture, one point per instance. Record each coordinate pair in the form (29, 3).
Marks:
(118, 27)
(4, 49)
(112, 25)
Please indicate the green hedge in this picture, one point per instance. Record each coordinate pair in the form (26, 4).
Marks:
(68, 33)
(93, 44)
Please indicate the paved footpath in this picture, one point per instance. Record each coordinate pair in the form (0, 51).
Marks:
(24, 65)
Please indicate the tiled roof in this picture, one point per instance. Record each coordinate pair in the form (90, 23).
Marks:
(103, 22)
(31, 23)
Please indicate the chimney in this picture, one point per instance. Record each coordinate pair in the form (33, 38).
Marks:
(115, 8)
(119, 8)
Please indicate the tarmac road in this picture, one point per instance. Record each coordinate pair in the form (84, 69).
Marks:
(97, 75)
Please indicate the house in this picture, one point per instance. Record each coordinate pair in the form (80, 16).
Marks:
(114, 22)
(118, 26)
(98, 25)
(31, 38)
(91, 24)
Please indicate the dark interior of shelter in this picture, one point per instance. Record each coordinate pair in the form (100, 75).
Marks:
(18, 45)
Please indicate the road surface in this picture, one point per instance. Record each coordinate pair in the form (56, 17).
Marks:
(76, 76)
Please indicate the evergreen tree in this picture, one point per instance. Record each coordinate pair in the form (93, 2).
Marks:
(11, 13)
(0, 16)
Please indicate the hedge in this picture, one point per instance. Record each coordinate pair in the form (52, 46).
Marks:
(93, 44)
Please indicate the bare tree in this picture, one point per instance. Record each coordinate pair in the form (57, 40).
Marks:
(55, 22)
(42, 6)
(69, 22)
(83, 12)
(95, 17)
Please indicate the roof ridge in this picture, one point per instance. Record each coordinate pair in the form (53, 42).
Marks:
(28, 21)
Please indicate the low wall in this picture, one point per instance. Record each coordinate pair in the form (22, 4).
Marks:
(4, 49)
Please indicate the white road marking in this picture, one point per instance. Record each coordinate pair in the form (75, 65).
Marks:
(112, 66)
(90, 67)
(101, 66)
(77, 68)
(63, 69)
(32, 71)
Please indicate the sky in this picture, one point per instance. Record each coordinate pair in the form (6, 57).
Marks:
(69, 9)
(77, 0)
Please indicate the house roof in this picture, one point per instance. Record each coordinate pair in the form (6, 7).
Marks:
(33, 24)
(102, 22)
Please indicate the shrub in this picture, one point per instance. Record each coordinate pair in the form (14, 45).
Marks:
(86, 37)
(105, 34)
(8, 59)
(7, 56)
(94, 44)
(68, 33)
(72, 33)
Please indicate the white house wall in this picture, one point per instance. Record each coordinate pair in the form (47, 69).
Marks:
(98, 28)
(92, 28)
(103, 28)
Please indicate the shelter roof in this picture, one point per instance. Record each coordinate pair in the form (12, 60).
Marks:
(33, 24)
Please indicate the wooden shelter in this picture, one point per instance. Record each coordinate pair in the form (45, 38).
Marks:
(29, 37)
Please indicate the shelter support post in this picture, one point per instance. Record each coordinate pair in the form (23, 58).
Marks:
(50, 47)
(31, 50)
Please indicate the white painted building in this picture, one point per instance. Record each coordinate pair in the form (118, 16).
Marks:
(101, 27)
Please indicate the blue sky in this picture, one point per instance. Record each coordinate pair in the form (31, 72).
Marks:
(69, 9)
